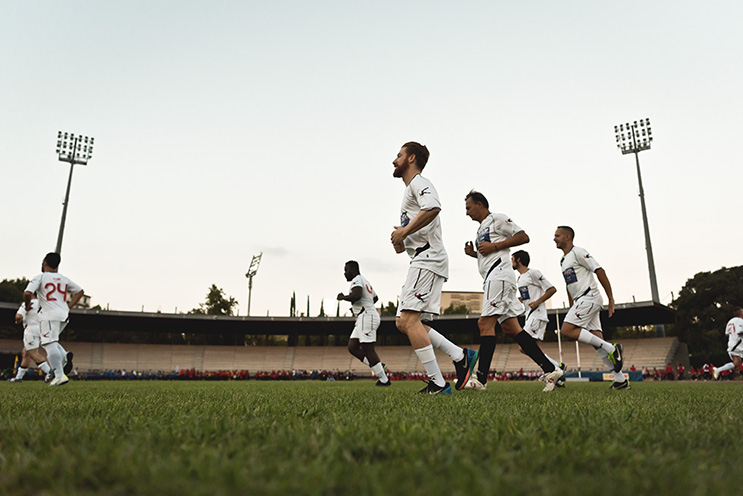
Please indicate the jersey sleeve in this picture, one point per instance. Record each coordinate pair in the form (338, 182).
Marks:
(73, 288)
(356, 282)
(22, 310)
(541, 281)
(425, 194)
(503, 225)
(739, 328)
(34, 284)
(586, 260)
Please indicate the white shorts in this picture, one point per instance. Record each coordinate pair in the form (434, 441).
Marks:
(31, 337)
(499, 298)
(736, 349)
(535, 327)
(421, 293)
(585, 313)
(50, 330)
(366, 327)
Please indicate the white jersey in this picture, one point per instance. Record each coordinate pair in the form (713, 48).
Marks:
(425, 246)
(577, 270)
(51, 289)
(30, 318)
(495, 228)
(734, 331)
(366, 302)
(532, 286)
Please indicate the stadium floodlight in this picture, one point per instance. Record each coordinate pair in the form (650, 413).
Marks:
(634, 138)
(252, 271)
(73, 149)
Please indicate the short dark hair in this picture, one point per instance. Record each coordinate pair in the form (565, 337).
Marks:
(569, 231)
(354, 265)
(522, 257)
(737, 310)
(477, 197)
(52, 260)
(420, 151)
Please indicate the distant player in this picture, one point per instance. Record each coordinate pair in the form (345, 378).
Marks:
(734, 332)
(52, 288)
(31, 342)
(534, 291)
(419, 234)
(496, 234)
(364, 335)
(582, 322)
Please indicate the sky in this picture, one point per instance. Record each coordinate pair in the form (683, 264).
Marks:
(230, 128)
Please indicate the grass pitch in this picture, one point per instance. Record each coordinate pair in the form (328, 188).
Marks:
(354, 438)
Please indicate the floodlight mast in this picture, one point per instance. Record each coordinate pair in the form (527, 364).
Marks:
(74, 149)
(252, 271)
(634, 138)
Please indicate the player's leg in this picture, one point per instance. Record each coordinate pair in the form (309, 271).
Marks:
(37, 356)
(486, 326)
(409, 323)
(583, 315)
(537, 329)
(375, 364)
(354, 348)
(50, 330)
(22, 367)
(369, 325)
(728, 366)
(528, 344)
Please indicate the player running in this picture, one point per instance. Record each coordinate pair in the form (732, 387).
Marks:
(582, 322)
(31, 342)
(363, 297)
(419, 234)
(52, 289)
(734, 332)
(496, 234)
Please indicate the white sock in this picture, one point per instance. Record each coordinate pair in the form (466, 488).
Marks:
(365, 361)
(440, 342)
(378, 370)
(619, 377)
(595, 341)
(727, 366)
(44, 367)
(428, 359)
(556, 364)
(604, 355)
(54, 356)
(21, 372)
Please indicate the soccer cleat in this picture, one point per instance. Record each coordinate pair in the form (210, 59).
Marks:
(620, 385)
(715, 373)
(550, 379)
(561, 381)
(15, 380)
(475, 385)
(432, 388)
(380, 383)
(68, 363)
(49, 376)
(58, 381)
(617, 358)
(464, 368)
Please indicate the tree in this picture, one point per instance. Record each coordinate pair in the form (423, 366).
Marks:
(216, 303)
(308, 306)
(11, 290)
(703, 307)
(322, 308)
(456, 310)
(293, 305)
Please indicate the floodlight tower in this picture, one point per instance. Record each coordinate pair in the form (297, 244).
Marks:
(634, 138)
(75, 149)
(253, 270)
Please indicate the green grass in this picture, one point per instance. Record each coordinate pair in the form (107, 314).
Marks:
(353, 438)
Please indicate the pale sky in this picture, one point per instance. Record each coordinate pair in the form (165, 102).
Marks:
(228, 128)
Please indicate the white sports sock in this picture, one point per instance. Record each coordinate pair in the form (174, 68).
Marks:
(440, 342)
(21, 372)
(44, 367)
(379, 372)
(619, 377)
(365, 361)
(54, 356)
(428, 359)
(727, 366)
(556, 364)
(595, 341)
(604, 355)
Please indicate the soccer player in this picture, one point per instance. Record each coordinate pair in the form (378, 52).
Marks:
(496, 234)
(31, 342)
(52, 288)
(534, 291)
(419, 234)
(363, 297)
(734, 331)
(582, 322)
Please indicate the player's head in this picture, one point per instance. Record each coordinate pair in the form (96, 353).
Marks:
(738, 312)
(411, 154)
(476, 206)
(520, 257)
(51, 261)
(351, 270)
(564, 236)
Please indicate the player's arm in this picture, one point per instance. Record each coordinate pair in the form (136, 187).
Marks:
(520, 238)
(421, 220)
(27, 297)
(75, 298)
(18, 318)
(354, 295)
(469, 249)
(604, 280)
(376, 298)
(546, 296)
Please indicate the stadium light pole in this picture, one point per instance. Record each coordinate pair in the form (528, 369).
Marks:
(252, 271)
(634, 138)
(74, 149)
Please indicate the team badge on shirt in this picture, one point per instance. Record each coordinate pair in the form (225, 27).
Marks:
(483, 235)
(524, 291)
(404, 219)
(569, 275)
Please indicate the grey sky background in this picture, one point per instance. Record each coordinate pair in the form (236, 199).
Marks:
(228, 128)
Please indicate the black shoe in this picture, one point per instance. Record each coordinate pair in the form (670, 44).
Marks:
(560, 383)
(620, 385)
(432, 388)
(68, 366)
(380, 383)
(617, 357)
(464, 367)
